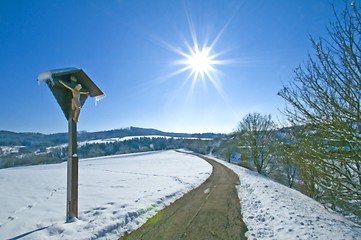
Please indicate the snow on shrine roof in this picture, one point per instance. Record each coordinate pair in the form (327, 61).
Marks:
(49, 74)
(82, 77)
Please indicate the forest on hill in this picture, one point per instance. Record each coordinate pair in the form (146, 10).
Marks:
(19, 149)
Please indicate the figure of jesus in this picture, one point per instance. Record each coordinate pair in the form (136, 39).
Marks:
(75, 102)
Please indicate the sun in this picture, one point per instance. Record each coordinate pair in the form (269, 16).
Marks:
(199, 62)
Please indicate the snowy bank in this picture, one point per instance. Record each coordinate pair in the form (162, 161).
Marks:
(273, 211)
(116, 194)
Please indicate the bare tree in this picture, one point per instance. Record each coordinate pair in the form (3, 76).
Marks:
(254, 131)
(287, 155)
(325, 97)
(229, 149)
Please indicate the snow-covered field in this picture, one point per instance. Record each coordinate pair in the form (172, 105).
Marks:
(116, 194)
(273, 211)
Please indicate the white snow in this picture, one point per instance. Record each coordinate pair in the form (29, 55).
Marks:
(48, 75)
(273, 211)
(116, 194)
(113, 140)
(119, 193)
(7, 149)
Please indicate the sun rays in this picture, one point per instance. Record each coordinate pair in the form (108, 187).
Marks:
(198, 61)
(199, 57)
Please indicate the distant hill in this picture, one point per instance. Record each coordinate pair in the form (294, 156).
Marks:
(19, 149)
(35, 140)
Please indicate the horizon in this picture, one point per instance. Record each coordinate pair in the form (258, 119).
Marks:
(114, 129)
(186, 66)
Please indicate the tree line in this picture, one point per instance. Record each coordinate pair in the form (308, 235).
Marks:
(26, 156)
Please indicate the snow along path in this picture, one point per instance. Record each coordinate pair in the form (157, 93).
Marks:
(116, 194)
(273, 211)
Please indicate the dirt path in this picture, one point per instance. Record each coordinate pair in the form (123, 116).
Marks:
(211, 211)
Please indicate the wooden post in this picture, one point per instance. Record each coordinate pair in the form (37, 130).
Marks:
(72, 194)
(71, 87)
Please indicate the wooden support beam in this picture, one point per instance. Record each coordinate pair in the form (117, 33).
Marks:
(72, 194)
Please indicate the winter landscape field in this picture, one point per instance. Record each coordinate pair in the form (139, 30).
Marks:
(116, 194)
(119, 193)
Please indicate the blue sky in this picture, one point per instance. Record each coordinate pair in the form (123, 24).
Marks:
(129, 49)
